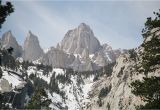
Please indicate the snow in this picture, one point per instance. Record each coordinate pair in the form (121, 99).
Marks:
(76, 55)
(108, 57)
(46, 50)
(12, 79)
(91, 56)
(86, 89)
(55, 97)
(58, 71)
(36, 62)
(44, 77)
(20, 59)
(31, 70)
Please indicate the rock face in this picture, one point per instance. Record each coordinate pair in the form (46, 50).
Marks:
(81, 51)
(8, 40)
(78, 39)
(119, 95)
(80, 42)
(32, 49)
(5, 86)
(57, 58)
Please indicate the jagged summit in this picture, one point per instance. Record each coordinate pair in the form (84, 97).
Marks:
(8, 40)
(32, 49)
(80, 42)
(84, 27)
(80, 38)
(30, 34)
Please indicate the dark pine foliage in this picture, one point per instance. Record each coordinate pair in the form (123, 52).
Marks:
(149, 88)
(149, 91)
(39, 100)
(5, 10)
(104, 92)
(1, 73)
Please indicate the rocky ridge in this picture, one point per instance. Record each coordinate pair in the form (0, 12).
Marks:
(79, 50)
(119, 95)
(32, 49)
(8, 40)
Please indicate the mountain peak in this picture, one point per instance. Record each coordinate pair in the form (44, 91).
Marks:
(78, 39)
(8, 40)
(8, 37)
(9, 32)
(84, 27)
(30, 34)
(32, 49)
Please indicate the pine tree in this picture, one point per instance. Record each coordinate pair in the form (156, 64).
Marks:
(39, 100)
(150, 55)
(149, 88)
(149, 91)
(5, 10)
(1, 73)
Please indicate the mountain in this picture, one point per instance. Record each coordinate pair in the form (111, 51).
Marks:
(79, 50)
(8, 40)
(57, 58)
(77, 40)
(129, 67)
(32, 49)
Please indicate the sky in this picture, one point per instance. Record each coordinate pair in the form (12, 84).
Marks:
(117, 23)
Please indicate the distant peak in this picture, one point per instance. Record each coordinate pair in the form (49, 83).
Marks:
(29, 32)
(8, 34)
(84, 26)
(31, 35)
(9, 31)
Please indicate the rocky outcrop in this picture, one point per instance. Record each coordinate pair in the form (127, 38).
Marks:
(4, 86)
(101, 60)
(125, 71)
(32, 49)
(80, 42)
(78, 39)
(8, 40)
(57, 58)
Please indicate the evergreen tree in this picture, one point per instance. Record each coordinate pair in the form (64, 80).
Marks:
(5, 10)
(149, 88)
(1, 73)
(39, 100)
(150, 55)
(149, 91)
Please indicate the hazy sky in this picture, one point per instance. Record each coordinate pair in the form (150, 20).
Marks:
(118, 23)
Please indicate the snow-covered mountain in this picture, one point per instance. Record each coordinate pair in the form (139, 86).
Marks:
(81, 51)
(77, 90)
(70, 93)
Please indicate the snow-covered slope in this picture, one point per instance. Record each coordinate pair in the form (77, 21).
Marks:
(75, 92)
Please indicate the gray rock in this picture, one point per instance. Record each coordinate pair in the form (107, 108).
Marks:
(78, 39)
(8, 40)
(5, 86)
(57, 58)
(32, 49)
